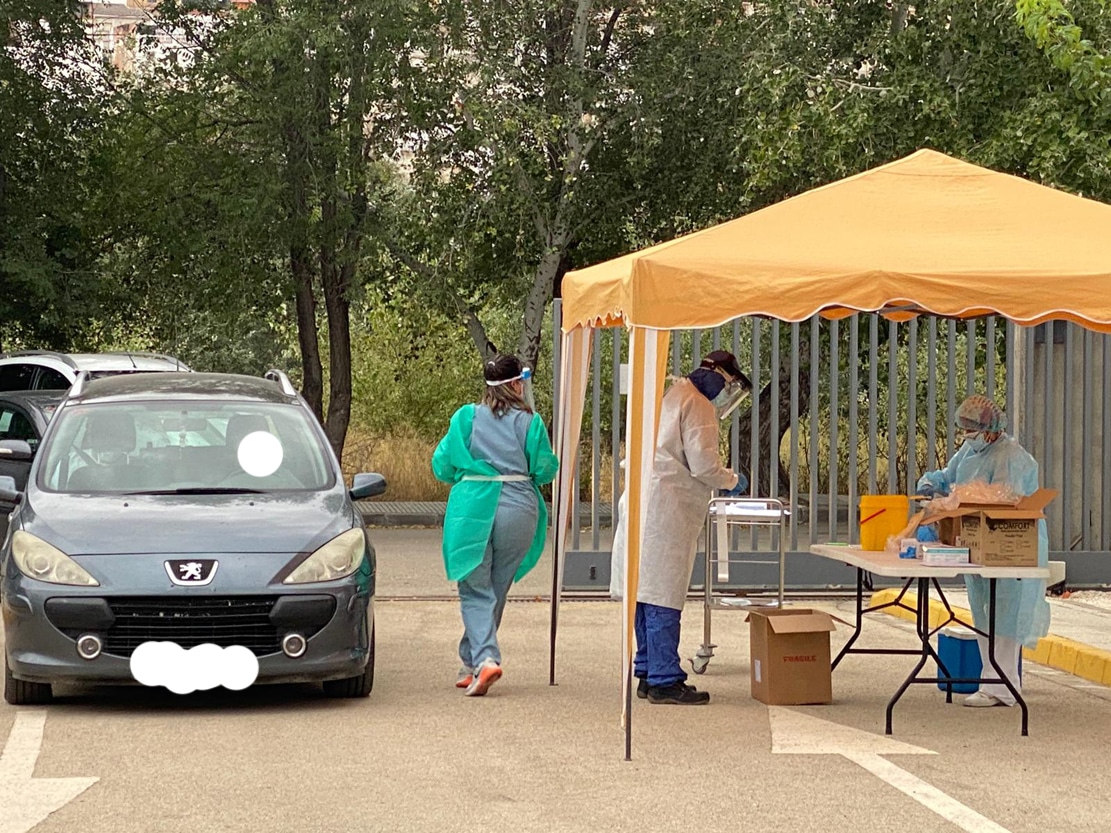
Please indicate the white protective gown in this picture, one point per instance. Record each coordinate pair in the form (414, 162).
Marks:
(686, 472)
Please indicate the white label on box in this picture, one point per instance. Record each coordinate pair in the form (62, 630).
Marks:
(756, 669)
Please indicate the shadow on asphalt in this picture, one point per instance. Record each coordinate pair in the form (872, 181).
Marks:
(302, 697)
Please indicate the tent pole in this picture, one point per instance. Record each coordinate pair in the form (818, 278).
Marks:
(629, 713)
(555, 604)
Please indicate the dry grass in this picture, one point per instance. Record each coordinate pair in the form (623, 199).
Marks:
(405, 461)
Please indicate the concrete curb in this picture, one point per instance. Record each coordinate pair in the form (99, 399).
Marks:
(1078, 659)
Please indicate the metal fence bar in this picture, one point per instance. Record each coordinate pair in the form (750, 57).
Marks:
(717, 339)
(892, 403)
(773, 441)
(754, 425)
(811, 517)
(696, 348)
(912, 406)
(1011, 335)
(1105, 444)
(970, 357)
(1067, 421)
(795, 435)
(596, 439)
(1050, 476)
(989, 358)
(951, 390)
(576, 510)
(1029, 334)
(854, 416)
(834, 421)
(735, 432)
(1086, 448)
(873, 399)
(931, 399)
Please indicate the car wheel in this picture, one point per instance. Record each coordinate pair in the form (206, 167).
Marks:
(359, 686)
(21, 693)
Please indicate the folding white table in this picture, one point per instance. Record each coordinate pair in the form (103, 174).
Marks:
(891, 565)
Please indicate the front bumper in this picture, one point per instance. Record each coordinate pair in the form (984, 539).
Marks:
(42, 623)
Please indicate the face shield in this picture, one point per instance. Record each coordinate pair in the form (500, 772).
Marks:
(730, 398)
(525, 378)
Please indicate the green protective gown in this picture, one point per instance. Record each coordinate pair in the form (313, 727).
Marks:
(472, 503)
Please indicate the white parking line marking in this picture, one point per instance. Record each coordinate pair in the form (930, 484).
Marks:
(794, 733)
(28, 800)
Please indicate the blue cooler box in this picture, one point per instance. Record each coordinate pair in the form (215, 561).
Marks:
(959, 651)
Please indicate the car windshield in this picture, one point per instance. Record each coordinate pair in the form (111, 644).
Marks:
(184, 448)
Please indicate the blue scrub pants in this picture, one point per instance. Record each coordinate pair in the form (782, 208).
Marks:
(657, 657)
(482, 594)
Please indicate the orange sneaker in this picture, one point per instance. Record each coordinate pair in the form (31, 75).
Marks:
(466, 677)
(488, 673)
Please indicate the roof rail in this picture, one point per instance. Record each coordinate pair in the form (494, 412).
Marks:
(275, 375)
(146, 354)
(78, 386)
(53, 354)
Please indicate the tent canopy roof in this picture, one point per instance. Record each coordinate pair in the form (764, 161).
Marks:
(924, 234)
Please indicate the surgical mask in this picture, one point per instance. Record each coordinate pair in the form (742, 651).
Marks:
(730, 398)
(976, 443)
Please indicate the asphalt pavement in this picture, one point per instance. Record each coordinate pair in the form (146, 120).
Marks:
(419, 756)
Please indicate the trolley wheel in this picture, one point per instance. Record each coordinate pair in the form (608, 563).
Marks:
(699, 664)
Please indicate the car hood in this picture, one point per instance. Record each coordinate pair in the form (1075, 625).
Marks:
(133, 524)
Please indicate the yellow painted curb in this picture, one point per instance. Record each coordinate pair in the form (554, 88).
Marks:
(1076, 658)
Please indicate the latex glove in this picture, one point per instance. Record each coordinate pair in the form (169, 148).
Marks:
(925, 490)
(740, 490)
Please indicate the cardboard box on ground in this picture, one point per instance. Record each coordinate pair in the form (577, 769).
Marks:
(790, 656)
(996, 534)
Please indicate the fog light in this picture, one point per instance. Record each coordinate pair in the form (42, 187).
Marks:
(294, 645)
(89, 646)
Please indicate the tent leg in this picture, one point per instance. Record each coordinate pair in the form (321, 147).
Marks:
(629, 714)
(555, 608)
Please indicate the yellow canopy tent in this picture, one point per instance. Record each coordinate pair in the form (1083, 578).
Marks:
(927, 234)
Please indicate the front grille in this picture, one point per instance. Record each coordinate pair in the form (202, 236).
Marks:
(193, 620)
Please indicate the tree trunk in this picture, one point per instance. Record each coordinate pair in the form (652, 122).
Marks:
(764, 438)
(339, 358)
(536, 305)
(312, 373)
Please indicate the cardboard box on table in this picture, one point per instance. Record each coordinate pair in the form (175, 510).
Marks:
(996, 534)
(790, 658)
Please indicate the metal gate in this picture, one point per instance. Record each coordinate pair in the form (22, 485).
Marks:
(864, 405)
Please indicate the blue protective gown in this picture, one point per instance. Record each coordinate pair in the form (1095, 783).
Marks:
(1022, 613)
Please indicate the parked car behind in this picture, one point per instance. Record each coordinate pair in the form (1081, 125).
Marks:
(24, 416)
(188, 508)
(47, 370)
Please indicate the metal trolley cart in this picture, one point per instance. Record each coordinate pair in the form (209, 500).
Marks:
(723, 515)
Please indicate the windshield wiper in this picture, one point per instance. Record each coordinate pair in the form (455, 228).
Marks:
(199, 490)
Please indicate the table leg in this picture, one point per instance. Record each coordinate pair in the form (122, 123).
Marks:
(859, 617)
(923, 628)
(994, 664)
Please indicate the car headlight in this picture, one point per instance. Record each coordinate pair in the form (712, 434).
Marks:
(337, 559)
(43, 562)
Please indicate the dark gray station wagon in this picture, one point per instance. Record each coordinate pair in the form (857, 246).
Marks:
(190, 508)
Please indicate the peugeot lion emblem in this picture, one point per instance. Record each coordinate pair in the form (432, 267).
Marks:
(192, 572)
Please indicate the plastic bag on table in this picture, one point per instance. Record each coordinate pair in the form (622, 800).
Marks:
(980, 491)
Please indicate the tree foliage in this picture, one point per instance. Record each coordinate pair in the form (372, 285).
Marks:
(50, 172)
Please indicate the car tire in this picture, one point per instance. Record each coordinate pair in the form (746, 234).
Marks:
(22, 693)
(359, 686)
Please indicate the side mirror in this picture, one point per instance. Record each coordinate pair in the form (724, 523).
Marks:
(367, 485)
(8, 490)
(16, 450)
